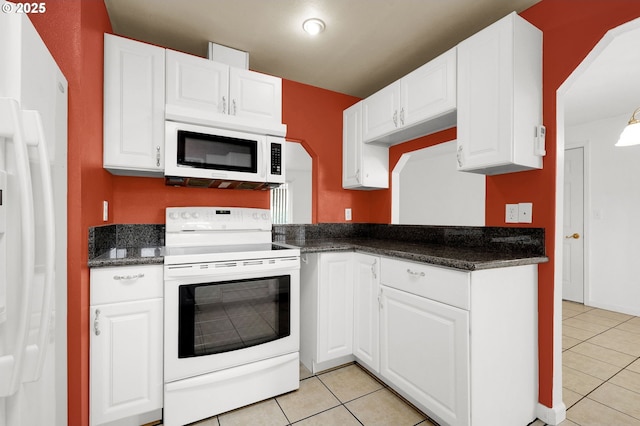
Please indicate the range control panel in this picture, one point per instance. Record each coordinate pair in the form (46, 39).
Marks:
(179, 219)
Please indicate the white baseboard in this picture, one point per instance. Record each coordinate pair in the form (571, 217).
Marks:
(552, 416)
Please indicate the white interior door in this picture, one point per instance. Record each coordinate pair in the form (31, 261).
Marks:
(573, 257)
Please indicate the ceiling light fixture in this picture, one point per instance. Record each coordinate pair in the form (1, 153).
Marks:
(631, 134)
(313, 26)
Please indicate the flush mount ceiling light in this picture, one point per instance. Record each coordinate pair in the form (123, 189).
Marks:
(313, 26)
(631, 134)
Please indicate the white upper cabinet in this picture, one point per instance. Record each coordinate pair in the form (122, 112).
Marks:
(500, 98)
(133, 107)
(202, 91)
(196, 86)
(363, 166)
(422, 102)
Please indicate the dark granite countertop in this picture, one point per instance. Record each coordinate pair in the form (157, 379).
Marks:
(463, 248)
(466, 248)
(464, 258)
(122, 245)
(129, 256)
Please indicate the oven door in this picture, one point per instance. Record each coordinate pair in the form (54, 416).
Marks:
(213, 322)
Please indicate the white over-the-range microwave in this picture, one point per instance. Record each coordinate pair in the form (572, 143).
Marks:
(203, 156)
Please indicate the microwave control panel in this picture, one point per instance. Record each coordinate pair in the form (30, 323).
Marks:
(276, 159)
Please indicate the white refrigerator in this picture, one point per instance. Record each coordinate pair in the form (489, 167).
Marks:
(33, 228)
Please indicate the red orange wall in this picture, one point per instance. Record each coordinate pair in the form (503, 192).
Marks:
(73, 31)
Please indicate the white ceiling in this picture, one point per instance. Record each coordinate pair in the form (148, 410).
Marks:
(367, 44)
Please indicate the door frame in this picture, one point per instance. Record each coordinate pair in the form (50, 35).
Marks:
(586, 212)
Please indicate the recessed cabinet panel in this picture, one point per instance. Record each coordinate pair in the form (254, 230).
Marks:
(133, 107)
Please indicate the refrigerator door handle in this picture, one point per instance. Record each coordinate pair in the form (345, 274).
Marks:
(35, 355)
(11, 365)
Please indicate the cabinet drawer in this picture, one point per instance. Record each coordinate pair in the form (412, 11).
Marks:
(440, 284)
(126, 283)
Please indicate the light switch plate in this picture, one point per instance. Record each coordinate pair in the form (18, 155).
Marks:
(347, 214)
(525, 212)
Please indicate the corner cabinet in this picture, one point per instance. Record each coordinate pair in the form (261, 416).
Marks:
(133, 107)
(422, 102)
(326, 299)
(461, 346)
(202, 91)
(126, 346)
(500, 98)
(363, 166)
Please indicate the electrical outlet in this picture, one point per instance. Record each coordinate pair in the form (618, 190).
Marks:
(525, 212)
(512, 214)
(347, 214)
(105, 211)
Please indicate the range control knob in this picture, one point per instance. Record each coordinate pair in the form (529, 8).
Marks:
(185, 215)
(195, 215)
(173, 216)
(265, 216)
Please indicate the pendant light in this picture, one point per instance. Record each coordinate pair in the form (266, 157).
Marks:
(631, 134)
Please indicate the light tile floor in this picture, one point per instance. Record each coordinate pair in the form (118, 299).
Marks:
(600, 368)
(344, 396)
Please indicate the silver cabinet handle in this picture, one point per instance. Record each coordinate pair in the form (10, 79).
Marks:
(158, 156)
(402, 116)
(459, 156)
(373, 268)
(235, 108)
(358, 176)
(415, 273)
(395, 118)
(96, 323)
(380, 306)
(128, 277)
(224, 105)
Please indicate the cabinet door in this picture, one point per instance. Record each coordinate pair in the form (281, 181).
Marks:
(133, 107)
(500, 98)
(365, 310)
(255, 96)
(364, 166)
(380, 112)
(126, 359)
(425, 353)
(196, 86)
(351, 145)
(335, 306)
(429, 91)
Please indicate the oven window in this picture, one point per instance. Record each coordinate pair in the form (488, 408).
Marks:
(217, 152)
(230, 315)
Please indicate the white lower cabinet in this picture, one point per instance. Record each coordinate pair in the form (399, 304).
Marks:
(126, 349)
(425, 353)
(326, 306)
(366, 293)
(461, 346)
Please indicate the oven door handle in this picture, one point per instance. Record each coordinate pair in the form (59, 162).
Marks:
(229, 373)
